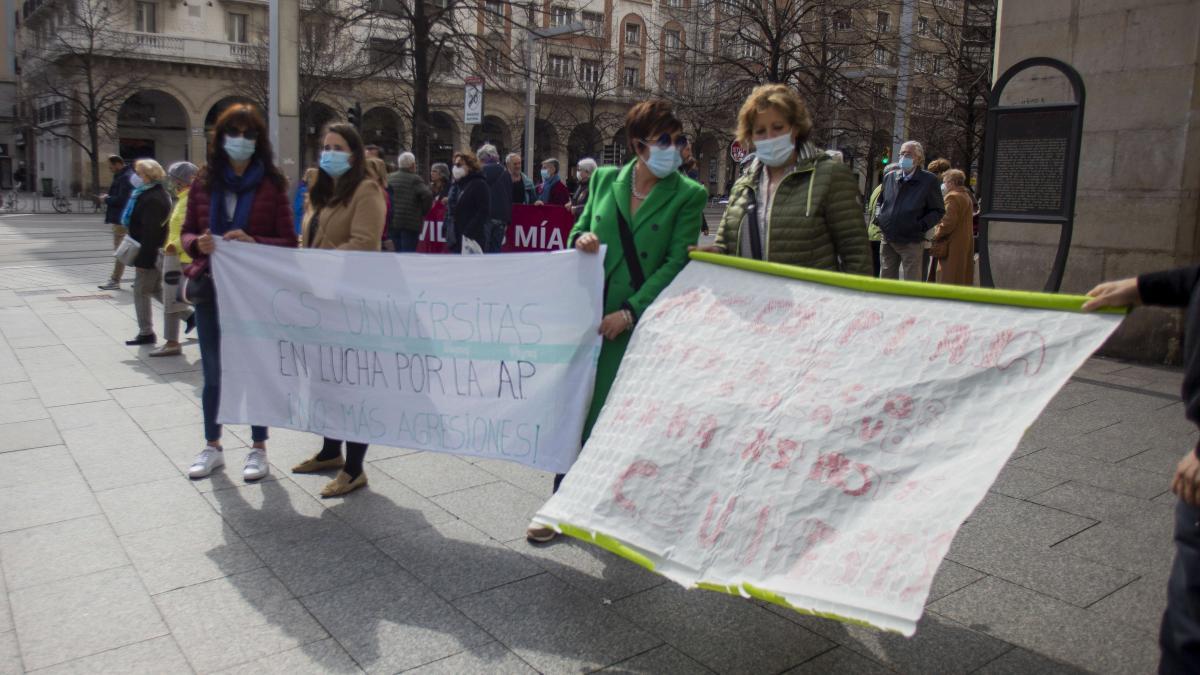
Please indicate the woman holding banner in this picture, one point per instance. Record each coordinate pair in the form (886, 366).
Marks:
(795, 205)
(239, 196)
(647, 214)
(347, 212)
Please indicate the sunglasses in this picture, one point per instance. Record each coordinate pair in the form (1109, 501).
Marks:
(238, 133)
(664, 141)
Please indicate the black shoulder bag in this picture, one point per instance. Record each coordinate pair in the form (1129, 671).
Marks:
(756, 247)
(636, 275)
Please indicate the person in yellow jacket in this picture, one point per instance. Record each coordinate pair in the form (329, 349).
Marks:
(179, 177)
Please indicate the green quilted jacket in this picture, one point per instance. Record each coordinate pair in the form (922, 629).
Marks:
(816, 218)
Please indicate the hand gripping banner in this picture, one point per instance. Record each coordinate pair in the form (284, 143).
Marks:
(815, 439)
(491, 356)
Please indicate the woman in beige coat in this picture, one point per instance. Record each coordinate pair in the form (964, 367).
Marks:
(955, 230)
(345, 211)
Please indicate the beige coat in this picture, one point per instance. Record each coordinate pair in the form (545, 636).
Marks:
(356, 226)
(958, 267)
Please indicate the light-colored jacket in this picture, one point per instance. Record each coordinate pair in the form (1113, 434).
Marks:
(353, 226)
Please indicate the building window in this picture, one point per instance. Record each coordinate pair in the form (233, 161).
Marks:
(235, 27)
(595, 23)
(631, 77)
(444, 63)
(939, 29)
(729, 7)
(561, 16)
(922, 62)
(674, 3)
(881, 56)
(493, 13)
(836, 56)
(633, 34)
(492, 61)
(923, 26)
(842, 20)
(671, 81)
(146, 17)
(589, 71)
(672, 40)
(938, 65)
(883, 22)
(560, 67)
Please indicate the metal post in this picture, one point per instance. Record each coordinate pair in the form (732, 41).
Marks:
(903, 77)
(530, 103)
(284, 97)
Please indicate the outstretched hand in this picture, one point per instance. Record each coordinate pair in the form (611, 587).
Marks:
(1123, 293)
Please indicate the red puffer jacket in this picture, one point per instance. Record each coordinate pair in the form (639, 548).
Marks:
(270, 221)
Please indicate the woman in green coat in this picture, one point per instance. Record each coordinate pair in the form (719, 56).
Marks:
(795, 205)
(660, 212)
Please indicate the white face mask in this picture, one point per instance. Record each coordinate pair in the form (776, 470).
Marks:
(458, 172)
(943, 188)
(775, 152)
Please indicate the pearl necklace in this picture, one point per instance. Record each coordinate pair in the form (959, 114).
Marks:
(633, 188)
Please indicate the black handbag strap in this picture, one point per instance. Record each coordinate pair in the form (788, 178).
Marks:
(756, 247)
(636, 276)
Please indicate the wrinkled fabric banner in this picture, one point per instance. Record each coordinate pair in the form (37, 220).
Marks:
(812, 445)
(490, 356)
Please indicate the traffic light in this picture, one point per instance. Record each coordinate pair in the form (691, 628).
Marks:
(354, 115)
(884, 160)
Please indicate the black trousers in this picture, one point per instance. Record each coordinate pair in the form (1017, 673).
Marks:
(1180, 634)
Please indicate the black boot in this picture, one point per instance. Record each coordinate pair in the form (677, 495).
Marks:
(142, 340)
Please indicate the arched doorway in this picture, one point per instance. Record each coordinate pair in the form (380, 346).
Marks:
(617, 151)
(381, 126)
(494, 131)
(443, 138)
(584, 141)
(707, 151)
(313, 121)
(153, 124)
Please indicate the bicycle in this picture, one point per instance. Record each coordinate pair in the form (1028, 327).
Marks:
(60, 203)
(11, 201)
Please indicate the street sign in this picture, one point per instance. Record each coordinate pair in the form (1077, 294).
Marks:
(473, 101)
(737, 152)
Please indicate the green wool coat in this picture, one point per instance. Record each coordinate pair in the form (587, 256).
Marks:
(816, 218)
(667, 222)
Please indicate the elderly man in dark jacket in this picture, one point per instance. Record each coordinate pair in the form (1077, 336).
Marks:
(910, 205)
(411, 200)
(114, 206)
(500, 185)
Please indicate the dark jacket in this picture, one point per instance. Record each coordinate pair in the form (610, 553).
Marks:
(1181, 288)
(411, 199)
(559, 194)
(270, 221)
(472, 209)
(118, 195)
(908, 208)
(579, 199)
(148, 224)
(500, 185)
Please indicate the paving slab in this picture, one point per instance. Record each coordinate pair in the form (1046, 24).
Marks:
(536, 483)
(500, 510)
(265, 506)
(10, 654)
(58, 551)
(33, 504)
(332, 554)
(1094, 472)
(663, 660)
(1019, 661)
(1110, 507)
(589, 568)
(839, 661)
(173, 557)
(492, 658)
(722, 632)
(1145, 553)
(384, 508)
(314, 658)
(157, 656)
(433, 473)
(26, 435)
(1050, 627)
(1021, 483)
(555, 628)
(1139, 604)
(81, 616)
(148, 506)
(39, 465)
(950, 577)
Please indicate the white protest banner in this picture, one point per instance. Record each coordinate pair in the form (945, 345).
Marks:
(492, 356)
(813, 445)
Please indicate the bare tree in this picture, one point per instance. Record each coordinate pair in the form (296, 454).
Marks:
(78, 68)
(581, 96)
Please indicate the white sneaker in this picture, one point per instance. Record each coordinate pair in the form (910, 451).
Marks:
(208, 459)
(257, 467)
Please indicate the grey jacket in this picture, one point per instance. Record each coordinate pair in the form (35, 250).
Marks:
(411, 199)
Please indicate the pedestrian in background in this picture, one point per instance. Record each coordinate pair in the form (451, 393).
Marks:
(114, 205)
(377, 173)
(240, 195)
(910, 205)
(179, 181)
(522, 185)
(551, 190)
(445, 192)
(1179, 633)
(649, 204)
(874, 235)
(348, 213)
(585, 169)
(145, 220)
(301, 199)
(472, 205)
(953, 241)
(795, 205)
(499, 185)
(411, 200)
(938, 168)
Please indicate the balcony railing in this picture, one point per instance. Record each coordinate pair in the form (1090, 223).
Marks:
(154, 46)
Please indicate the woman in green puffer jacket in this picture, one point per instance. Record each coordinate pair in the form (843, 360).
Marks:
(795, 205)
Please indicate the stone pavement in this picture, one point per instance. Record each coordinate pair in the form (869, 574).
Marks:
(113, 561)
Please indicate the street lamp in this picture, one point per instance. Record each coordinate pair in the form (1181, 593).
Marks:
(532, 36)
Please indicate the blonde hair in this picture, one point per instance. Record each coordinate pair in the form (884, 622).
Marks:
(938, 166)
(377, 171)
(954, 177)
(778, 96)
(153, 170)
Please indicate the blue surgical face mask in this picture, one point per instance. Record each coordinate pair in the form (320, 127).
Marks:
(775, 151)
(335, 163)
(545, 174)
(239, 149)
(663, 161)
(136, 181)
(906, 163)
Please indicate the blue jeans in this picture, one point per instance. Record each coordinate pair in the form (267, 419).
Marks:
(208, 328)
(405, 242)
(1180, 634)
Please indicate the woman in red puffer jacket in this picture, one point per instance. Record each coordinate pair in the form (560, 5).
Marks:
(240, 195)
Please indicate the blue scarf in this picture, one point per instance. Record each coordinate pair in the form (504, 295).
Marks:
(128, 211)
(244, 186)
(547, 185)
